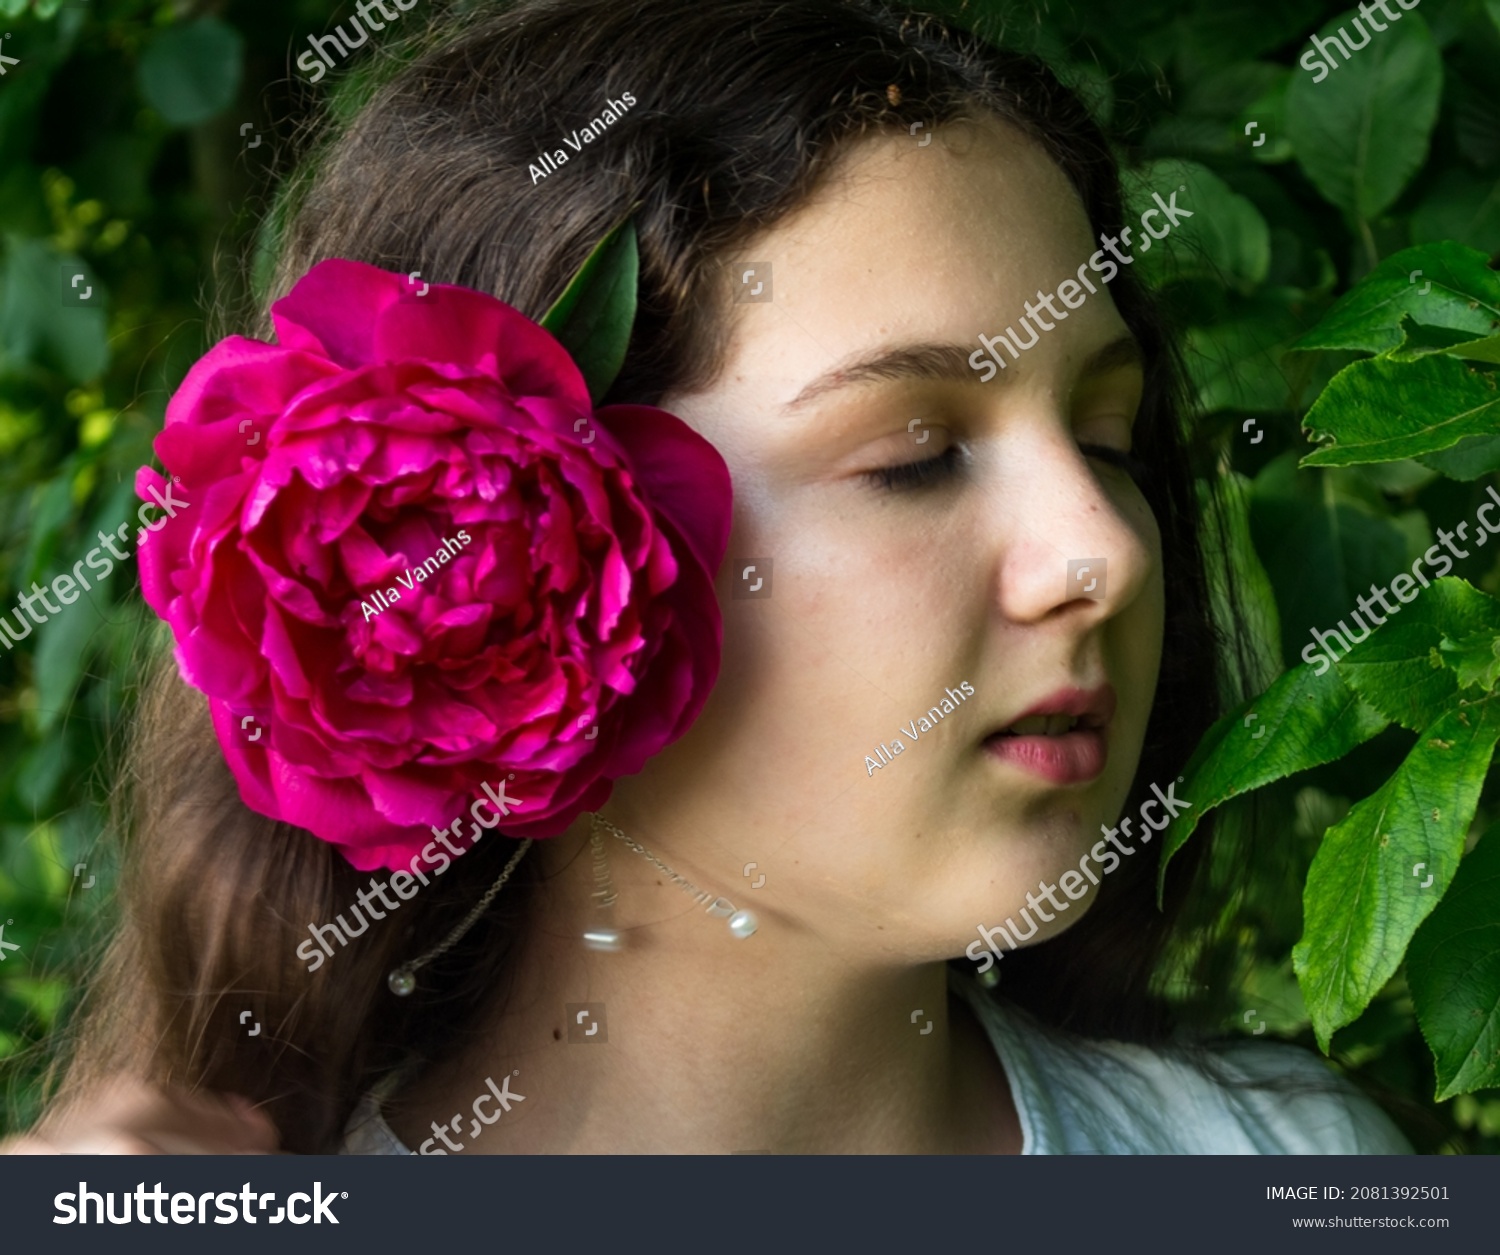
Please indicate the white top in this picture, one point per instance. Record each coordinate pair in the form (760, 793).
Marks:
(1078, 1096)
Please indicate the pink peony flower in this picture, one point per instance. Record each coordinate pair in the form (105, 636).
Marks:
(416, 560)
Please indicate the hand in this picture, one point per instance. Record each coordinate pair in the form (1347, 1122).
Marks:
(131, 1117)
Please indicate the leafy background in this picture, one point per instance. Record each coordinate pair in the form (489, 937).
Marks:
(139, 146)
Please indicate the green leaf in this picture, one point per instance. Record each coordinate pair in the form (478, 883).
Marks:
(1379, 410)
(1215, 32)
(1475, 660)
(191, 72)
(1361, 132)
(1453, 970)
(40, 324)
(1362, 901)
(593, 317)
(1461, 207)
(1215, 115)
(1301, 721)
(1234, 363)
(1402, 669)
(1239, 588)
(1439, 285)
(1420, 340)
(1092, 84)
(42, 770)
(1467, 460)
(64, 646)
(1226, 240)
(1323, 538)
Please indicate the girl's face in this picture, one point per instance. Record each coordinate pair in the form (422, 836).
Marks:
(913, 528)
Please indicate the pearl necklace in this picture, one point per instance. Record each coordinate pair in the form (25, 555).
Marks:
(741, 923)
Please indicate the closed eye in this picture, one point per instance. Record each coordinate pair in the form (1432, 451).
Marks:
(1119, 458)
(913, 475)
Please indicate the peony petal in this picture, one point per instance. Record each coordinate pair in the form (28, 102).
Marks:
(314, 317)
(680, 473)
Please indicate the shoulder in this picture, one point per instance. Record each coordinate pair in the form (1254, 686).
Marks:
(1081, 1096)
(367, 1133)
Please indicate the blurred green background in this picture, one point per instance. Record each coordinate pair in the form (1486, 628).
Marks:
(139, 149)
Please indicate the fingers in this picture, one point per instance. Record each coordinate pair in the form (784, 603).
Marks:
(130, 1117)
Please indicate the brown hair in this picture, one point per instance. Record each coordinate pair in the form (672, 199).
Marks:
(741, 107)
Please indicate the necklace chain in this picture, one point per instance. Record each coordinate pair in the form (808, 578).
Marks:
(604, 891)
(468, 920)
(701, 896)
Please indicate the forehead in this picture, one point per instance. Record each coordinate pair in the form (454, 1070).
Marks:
(907, 241)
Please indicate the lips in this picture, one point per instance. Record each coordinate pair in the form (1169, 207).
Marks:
(1063, 738)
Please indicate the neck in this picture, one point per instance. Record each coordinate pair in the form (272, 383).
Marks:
(780, 1042)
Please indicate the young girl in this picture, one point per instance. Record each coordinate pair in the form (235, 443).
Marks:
(965, 645)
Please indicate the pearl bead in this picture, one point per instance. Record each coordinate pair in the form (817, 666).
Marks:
(743, 923)
(401, 983)
(608, 940)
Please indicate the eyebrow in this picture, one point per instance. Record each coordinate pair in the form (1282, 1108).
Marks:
(948, 363)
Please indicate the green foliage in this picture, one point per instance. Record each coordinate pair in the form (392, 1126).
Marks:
(122, 163)
(1362, 132)
(593, 317)
(1439, 400)
(1459, 292)
(1301, 721)
(1303, 318)
(1433, 670)
(1232, 245)
(190, 73)
(1363, 900)
(1455, 967)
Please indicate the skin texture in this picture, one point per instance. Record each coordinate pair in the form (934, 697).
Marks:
(127, 1117)
(801, 1038)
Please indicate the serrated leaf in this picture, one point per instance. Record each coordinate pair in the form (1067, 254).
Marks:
(593, 317)
(1439, 285)
(1380, 410)
(1401, 669)
(1301, 721)
(1361, 132)
(1475, 660)
(1453, 971)
(1419, 340)
(1362, 902)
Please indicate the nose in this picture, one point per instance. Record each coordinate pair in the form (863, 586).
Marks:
(1073, 536)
